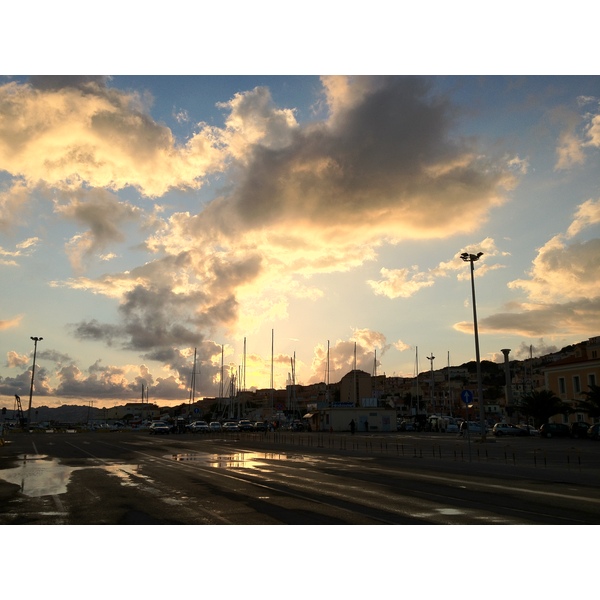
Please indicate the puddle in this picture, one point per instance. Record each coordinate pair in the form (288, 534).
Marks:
(237, 460)
(37, 475)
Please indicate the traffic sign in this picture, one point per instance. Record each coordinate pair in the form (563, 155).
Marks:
(467, 396)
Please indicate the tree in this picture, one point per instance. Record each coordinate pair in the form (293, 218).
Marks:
(541, 405)
(591, 405)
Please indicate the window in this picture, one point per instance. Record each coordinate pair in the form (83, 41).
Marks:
(592, 379)
(561, 385)
(576, 384)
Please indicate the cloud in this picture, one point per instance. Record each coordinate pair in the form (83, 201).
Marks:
(405, 282)
(13, 202)
(61, 377)
(104, 214)
(401, 283)
(13, 359)
(67, 132)
(363, 342)
(383, 166)
(401, 346)
(587, 214)
(539, 348)
(562, 272)
(255, 122)
(578, 134)
(10, 323)
(562, 290)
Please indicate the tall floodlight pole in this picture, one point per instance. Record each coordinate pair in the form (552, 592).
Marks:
(472, 258)
(35, 341)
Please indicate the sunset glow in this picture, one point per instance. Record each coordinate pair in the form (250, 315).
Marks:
(143, 217)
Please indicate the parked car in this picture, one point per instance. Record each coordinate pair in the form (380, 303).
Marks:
(474, 427)
(260, 426)
(594, 432)
(230, 426)
(500, 429)
(579, 429)
(549, 430)
(159, 428)
(529, 429)
(199, 427)
(245, 425)
(215, 426)
(452, 427)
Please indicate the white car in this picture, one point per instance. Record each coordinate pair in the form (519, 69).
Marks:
(215, 426)
(230, 426)
(199, 427)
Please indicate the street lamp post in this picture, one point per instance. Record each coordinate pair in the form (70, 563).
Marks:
(471, 258)
(35, 341)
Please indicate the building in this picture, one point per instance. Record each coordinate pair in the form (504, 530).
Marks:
(354, 386)
(570, 377)
(338, 419)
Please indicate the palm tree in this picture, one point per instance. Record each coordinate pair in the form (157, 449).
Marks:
(541, 405)
(591, 405)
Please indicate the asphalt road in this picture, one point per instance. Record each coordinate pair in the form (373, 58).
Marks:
(295, 478)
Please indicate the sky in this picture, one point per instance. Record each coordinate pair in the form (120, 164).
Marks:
(143, 217)
(238, 203)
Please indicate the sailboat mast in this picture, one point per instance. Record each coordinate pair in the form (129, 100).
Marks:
(417, 369)
(355, 380)
(272, 382)
(327, 376)
(193, 381)
(221, 391)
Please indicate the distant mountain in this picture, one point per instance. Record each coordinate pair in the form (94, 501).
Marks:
(67, 413)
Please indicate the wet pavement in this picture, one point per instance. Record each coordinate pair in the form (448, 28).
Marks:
(133, 478)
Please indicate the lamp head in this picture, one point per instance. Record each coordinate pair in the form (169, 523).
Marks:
(471, 257)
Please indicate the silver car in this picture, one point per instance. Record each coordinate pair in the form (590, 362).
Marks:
(500, 429)
(159, 427)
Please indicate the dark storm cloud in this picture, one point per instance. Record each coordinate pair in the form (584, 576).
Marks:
(58, 82)
(150, 317)
(94, 330)
(571, 318)
(386, 156)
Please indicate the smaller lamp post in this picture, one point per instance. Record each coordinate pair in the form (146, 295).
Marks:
(35, 341)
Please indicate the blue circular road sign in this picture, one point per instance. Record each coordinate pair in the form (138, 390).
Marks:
(467, 396)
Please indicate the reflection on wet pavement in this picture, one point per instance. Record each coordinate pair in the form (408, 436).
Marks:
(37, 475)
(237, 460)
